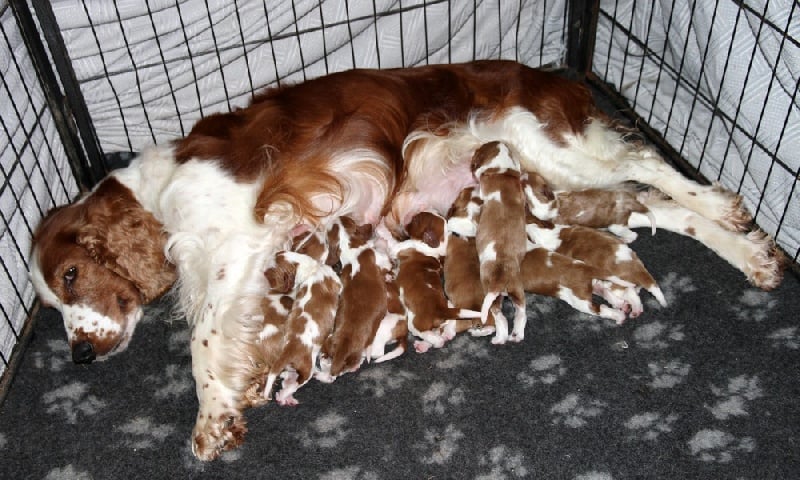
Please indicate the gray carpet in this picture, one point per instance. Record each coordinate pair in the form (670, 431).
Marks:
(705, 388)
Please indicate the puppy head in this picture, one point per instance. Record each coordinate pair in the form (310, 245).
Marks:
(281, 275)
(539, 196)
(429, 228)
(311, 243)
(462, 201)
(357, 235)
(495, 157)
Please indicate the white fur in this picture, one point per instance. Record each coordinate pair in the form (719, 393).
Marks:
(462, 226)
(544, 237)
(623, 254)
(420, 247)
(384, 336)
(503, 161)
(46, 295)
(268, 331)
(488, 254)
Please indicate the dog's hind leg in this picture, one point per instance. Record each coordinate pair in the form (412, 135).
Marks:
(754, 253)
(645, 165)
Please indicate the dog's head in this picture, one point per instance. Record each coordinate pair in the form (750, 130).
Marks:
(494, 157)
(98, 261)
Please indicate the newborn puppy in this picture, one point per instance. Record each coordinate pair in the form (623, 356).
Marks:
(393, 329)
(363, 301)
(602, 250)
(500, 237)
(419, 279)
(275, 308)
(552, 274)
(594, 207)
(315, 288)
(462, 269)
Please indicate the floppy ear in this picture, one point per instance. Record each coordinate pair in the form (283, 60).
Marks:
(281, 276)
(119, 234)
(430, 238)
(364, 232)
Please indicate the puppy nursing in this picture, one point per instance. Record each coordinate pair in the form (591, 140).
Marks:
(462, 268)
(623, 273)
(315, 288)
(363, 303)
(500, 237)
(572, 261)
(419, 278)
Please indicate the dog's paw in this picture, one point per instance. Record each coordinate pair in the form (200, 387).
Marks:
(255, 396)
(213, 435)
(421, 346)
(733, 216)
(766, 263)
(481, 330)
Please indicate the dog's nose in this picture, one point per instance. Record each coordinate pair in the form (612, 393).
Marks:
(83, 352)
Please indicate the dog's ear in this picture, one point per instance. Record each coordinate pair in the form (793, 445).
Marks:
(430, 238)
(119, 234)
(280, 277)
(334, 252)
(359, 234)
(428, 227)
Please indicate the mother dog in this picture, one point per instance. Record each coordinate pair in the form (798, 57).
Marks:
(210, 210)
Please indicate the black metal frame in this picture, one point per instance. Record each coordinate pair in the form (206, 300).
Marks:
(674, 153)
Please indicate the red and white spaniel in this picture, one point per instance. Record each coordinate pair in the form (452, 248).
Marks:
(215, 206)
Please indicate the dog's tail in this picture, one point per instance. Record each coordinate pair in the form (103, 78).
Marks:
(658, 294)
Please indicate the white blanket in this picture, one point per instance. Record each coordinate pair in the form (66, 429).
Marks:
(179, 47)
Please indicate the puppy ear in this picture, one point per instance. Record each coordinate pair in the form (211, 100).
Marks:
(430, 239)
(364, 232)
(122, 236)
(334, 252)
(281, 276)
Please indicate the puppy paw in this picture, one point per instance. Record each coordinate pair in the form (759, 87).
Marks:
(481, 331)
(421, 346)
(286, 399)
(516, 337)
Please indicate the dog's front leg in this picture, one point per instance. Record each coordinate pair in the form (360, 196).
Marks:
(220, 424)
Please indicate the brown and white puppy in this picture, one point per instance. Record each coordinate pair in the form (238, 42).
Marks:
(462, 269)
(363, 301)
(552, 274)
(500, 237)
(419, 279)
(592, 207)
(315, 288)
(275, 309)
(393, 329)
(602, 250)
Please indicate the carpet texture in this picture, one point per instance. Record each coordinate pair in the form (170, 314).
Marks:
(707, 387)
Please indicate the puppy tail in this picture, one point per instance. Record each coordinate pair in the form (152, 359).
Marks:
(658, 294)
(466, 314)
(652, 218)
